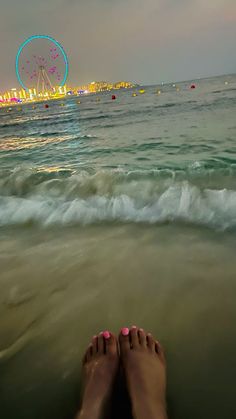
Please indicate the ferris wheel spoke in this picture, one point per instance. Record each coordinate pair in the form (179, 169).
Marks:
(49, 81)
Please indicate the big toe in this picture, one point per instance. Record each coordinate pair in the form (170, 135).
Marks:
(110, 343)
(124, 340)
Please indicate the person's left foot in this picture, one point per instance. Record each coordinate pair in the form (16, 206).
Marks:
(100, 365)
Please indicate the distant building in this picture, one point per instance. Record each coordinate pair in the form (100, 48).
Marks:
(57, 92)
(123, 85)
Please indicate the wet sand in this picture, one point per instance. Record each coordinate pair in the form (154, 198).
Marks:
(58, 288)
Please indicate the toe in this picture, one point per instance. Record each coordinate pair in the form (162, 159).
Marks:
(133, 337)
(150, 342)
(95, 344)
(88, 354)
(110, 343)
(90, 351)
(160, 351)
(124, 340)
(142, 338)
(101, 349)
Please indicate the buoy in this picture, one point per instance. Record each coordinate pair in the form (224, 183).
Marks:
(113, 97)
(62, 104)
(141, 91)
(134, 94)
(193, 86)
(158, 92)
(78, 101)
(46, 106)
(173, 85)
(226, 82)
(177, 89)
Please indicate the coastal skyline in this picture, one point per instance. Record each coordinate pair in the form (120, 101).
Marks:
(147, 44)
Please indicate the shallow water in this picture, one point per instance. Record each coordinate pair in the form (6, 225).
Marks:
(106, 222)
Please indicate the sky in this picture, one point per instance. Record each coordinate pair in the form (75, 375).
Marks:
(145, 41)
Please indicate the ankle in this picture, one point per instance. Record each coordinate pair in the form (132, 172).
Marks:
(88, 412)
(93, 409)
(141, 409)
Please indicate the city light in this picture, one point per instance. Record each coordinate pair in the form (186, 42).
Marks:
(14, 96)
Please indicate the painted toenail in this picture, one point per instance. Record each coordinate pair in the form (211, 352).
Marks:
(101, 333)
(141, 330)
(134, 327)
(94, 337)
(125, 331)
(106, 334)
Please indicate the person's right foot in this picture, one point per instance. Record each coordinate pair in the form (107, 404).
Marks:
(100, 366)
(144, 366)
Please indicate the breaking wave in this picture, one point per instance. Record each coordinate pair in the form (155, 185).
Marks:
(67, 198)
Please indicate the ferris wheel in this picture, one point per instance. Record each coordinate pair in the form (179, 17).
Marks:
(41, 64)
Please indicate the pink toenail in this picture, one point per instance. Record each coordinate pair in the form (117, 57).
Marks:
(141, 330)
(94, 337)
(134, 327)
(106, 334)
(101, 333)
(125, 331)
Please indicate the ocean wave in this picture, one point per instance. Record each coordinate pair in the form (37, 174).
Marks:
(67, 183)
(115, 196)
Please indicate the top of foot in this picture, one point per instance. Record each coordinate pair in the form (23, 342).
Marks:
(145, 371)
(100, 366)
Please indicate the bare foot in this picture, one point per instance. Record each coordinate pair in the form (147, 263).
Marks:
(144, 366)
(100, 366)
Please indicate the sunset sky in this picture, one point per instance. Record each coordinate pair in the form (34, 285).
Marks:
(143, 41)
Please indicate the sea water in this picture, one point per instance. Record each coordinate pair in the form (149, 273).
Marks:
(114, 213)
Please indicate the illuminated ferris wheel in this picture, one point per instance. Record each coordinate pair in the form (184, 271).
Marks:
(41, 64)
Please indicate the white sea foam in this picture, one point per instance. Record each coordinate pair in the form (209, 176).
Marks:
(131, 202)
